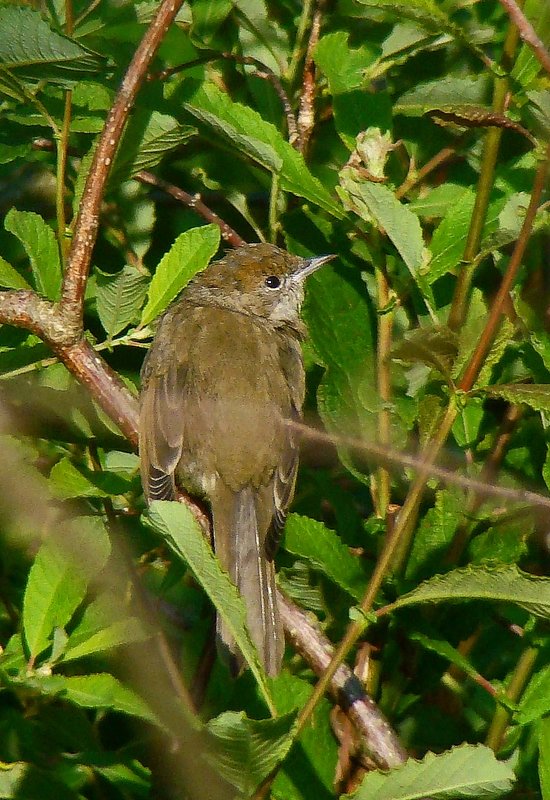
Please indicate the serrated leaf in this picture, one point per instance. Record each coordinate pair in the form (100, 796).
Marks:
(244, 751)
(40, 244)
(536, 396)
(208, 16)
(119, 298)
(100, 690)
(148, 137)
(245, 129)
(189, 254)
(373, 201)
(443, 93)
(435, 534)
(468, 771)
(10, 278)
(31, 49)
(59, 578)
(175, 523)
(323, 549)
(502, 584)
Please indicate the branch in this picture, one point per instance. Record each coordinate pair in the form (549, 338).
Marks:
(192, 201)
(527, 32)
(306, 114)
(87, 223)
(378, 738)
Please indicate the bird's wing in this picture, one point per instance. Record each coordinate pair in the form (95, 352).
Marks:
(284, 479)
(162, 412)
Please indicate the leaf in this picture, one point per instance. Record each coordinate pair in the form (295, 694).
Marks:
(100, 690)
(20, 780)
(449, 238)
(175, 523)
(67, 481)
(31, 49)
(468, 771)
(119, 298)
(535, 701)
(244, 129)
(208, 16)
(445, 650)
(323, 549)
(10, 278)
(244, 751)
(355, 108)
(532, 395)
(58, 579)
(340, 322)
(445, 92)
(544, 757)
(434, 534)
(435, 347)
(121, 632)
(502, 584)
(40, 244)
(189, 254)
(373, 201)
(148, 137)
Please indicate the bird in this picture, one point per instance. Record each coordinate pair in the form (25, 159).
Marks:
(222, 378)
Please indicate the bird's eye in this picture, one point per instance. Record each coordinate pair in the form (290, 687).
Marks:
(272, 282)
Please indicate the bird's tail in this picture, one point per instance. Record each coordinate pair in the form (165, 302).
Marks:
(240, 546)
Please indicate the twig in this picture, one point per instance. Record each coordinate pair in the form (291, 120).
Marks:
(378, 738)
(527, 32)
(514, 264)
(445, 155)
(74, 281)
(306, 113)
(192, 201)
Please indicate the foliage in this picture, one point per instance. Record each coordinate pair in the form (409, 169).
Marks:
(431, 127)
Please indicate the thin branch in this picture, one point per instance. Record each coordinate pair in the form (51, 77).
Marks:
(306, 113)
(488, 334)
(74, 282)
(527, 32)
(192, 201)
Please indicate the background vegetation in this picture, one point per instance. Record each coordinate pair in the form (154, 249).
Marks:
(410, 139)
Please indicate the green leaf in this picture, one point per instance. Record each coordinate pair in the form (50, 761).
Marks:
(208, 16)
(535, 702)
(544, 757)
(449, 238)
(244, 129)
(119, 298)
(100, 690)
(40, 244)
(355, 108)
(373, 201)
(340, 322)
(468, 771)
(189, 254)
(442, 648)
(31, 49)
(58, 579)
(435, 347)
(20, 780)
(175, 523)
(445, 92)
(67, 481)
(10, 278)
(323, 549)
(532, 395)
(244, 751)
(149, 136)
(503, 584)
(435, 534)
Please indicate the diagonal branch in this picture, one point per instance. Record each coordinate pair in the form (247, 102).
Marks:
(527, 32)
(87, 223)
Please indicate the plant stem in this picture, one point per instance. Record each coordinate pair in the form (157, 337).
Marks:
(501, 717)
(484, 187)
(385, 326)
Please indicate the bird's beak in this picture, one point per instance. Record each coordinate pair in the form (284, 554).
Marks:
(310, 265)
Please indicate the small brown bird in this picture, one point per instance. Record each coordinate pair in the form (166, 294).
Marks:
(223, 374)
